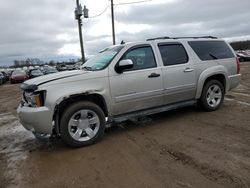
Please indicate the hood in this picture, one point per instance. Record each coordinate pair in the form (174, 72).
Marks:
(36, 74)
(19, 75)
(52, 77)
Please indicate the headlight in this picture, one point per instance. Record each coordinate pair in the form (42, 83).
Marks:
(36, 99)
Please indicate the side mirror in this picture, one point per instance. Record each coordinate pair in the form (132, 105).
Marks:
(124, 64)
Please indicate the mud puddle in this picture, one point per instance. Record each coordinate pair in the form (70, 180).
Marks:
(16, 143)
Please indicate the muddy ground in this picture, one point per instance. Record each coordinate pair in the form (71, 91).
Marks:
(182, 148)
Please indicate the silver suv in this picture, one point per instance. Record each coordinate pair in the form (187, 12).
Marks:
(128, 80)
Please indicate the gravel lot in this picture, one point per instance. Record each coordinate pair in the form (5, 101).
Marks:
(181, 148)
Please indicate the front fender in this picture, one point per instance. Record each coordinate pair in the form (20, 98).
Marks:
(215, 70)
(56, 93)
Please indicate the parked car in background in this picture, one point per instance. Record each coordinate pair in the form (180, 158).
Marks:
(70, 67)
(77, 65)
(243, 56)
(6, 77)
(61, 67)
(49, 70)
(35, 73)
(31, 67)
(2, 78)
(18, 76)
(9, 72)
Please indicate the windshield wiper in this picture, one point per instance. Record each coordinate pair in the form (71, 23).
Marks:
(87, 68)
(213, 56)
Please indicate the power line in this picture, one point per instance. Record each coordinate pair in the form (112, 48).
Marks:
(135, 2)
(117, 4)
(101, 12)
(112, 13)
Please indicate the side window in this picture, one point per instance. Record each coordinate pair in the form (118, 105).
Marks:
(142, 57)
(173, 54)
(209, 50)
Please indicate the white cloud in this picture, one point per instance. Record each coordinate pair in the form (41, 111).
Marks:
(47, 29)
(69, 49)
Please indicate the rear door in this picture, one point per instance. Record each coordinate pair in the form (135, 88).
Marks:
(179, 81)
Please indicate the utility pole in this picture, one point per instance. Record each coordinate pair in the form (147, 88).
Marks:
(78, 15)
(113, 22)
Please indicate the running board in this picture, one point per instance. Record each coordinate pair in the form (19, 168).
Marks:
(150, 111)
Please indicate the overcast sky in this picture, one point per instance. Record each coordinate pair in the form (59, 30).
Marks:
(46, 29)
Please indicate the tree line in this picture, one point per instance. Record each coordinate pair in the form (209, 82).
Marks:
(36, 61)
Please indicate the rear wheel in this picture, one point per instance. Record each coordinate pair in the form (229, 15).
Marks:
(212, 95)
(82, 123)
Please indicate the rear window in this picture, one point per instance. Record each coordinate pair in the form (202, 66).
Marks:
(210, 50)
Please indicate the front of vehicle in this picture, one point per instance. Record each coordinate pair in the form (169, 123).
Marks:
(43, 94)
(39, 98)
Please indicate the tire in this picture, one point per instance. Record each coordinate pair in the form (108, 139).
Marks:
(82, 124)
(212, 96)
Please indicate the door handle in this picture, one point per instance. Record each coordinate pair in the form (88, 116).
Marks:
(154, 75)
(188, 70)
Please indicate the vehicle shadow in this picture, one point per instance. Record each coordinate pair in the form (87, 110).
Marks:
(150, 120)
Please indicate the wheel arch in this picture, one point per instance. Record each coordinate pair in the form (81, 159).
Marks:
(218, 73)
(65, 101)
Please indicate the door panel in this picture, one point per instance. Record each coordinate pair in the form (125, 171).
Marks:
(179, 84)
(135, 90)
(140, 87)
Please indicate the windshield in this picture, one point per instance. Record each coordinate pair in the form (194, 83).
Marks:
(36, 71)
(18, 72)
(101, 60)
(50, 69)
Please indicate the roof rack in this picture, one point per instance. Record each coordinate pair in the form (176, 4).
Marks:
(158, 38)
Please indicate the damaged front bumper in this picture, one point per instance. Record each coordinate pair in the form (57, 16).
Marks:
(37, 120)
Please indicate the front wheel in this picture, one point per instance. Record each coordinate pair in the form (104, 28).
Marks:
(82, 123)
(212, 95)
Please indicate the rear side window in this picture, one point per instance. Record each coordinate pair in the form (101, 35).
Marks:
(210, 50)
(173, 54)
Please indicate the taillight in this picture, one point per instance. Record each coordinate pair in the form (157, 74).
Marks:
(238, 65)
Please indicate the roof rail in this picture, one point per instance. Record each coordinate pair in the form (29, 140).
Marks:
(211, 37)
(158, 38)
